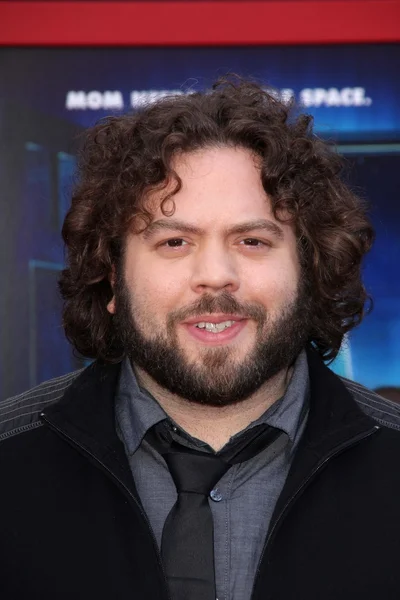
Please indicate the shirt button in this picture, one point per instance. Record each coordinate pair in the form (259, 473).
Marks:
(216, 495)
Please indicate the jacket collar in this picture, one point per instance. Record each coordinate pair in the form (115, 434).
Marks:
(86, 416)
(334, 415)
(335, 422)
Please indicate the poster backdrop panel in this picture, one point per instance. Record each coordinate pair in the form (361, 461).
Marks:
(49, 96)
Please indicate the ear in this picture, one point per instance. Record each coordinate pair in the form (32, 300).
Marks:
(111, 278)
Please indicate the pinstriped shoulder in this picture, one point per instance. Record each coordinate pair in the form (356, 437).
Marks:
(384, 411)
(21, 412)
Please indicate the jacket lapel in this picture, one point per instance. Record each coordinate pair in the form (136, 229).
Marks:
(85, 417)
(334, 423)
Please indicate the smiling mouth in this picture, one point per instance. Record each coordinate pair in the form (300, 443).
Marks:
(215, 327)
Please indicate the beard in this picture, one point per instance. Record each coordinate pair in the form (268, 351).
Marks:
(216, 378)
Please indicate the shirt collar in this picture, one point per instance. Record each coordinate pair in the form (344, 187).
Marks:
(137, 410)
(287, 413)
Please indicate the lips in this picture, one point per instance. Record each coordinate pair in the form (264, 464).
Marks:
(213, 336)
(214, 318)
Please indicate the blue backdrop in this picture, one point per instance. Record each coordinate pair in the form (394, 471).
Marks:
(47, 98)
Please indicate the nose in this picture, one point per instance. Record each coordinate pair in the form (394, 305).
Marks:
(214, 269)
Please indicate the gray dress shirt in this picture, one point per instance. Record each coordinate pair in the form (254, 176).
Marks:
(243, 501)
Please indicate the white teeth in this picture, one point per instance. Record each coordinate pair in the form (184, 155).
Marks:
(215, 327)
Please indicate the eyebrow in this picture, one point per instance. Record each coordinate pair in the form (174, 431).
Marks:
(181, 226)
(260, 224)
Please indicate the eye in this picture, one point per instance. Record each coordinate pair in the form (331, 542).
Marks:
(174, 243)
(173, 247)
(253, 242)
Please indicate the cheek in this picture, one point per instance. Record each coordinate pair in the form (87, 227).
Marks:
(274, 286)
(154, 292)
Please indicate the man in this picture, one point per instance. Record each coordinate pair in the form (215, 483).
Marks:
(214, 260)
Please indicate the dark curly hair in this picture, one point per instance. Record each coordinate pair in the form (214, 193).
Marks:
(125, 157)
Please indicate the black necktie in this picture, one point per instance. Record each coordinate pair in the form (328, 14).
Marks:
(187, 545)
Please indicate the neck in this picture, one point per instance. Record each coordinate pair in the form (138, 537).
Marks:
(213, 424)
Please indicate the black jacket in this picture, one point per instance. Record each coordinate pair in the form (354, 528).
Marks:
(72, 526)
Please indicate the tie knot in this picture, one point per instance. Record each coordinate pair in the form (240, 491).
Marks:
(195, 472)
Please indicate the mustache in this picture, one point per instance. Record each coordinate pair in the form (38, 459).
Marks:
(223, 303)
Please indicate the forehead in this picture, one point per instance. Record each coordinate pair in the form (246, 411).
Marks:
(217, 184)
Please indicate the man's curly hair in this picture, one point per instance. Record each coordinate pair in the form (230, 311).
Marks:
(126, 157)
